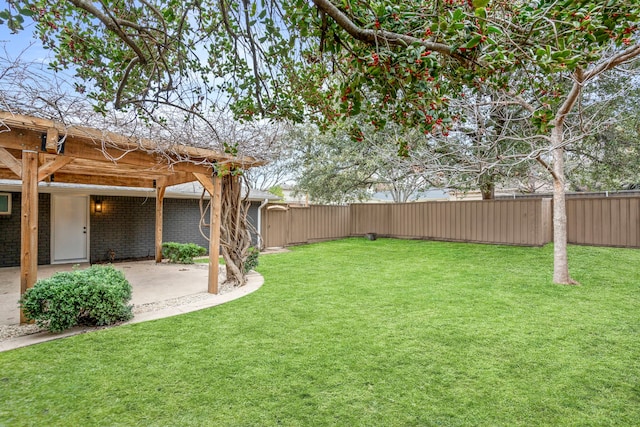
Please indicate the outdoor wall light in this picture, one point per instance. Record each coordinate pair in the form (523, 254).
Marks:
(98, 206)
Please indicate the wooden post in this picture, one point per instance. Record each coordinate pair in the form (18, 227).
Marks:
(29, 224)
(159, 211)
(214, 234)
(52, 140)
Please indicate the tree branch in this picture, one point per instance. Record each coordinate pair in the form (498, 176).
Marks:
(622, 57)
(572, 98)
(373, 37)
(254, 56)
(111, 25)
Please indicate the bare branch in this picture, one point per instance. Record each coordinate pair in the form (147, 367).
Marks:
(547, 167)
(618, 59)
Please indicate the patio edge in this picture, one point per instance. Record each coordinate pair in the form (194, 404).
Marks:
(254, 282)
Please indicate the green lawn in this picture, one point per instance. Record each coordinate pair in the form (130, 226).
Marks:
(363, 333)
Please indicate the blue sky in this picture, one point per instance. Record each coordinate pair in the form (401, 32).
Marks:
(28, 48)
(14, 44)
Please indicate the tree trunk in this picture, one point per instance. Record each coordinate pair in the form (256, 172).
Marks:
(560, 259)
(487, 186)
(235, 238)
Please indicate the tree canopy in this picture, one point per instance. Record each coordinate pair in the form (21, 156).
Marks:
(400, 61)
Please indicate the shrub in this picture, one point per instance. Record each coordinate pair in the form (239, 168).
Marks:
(182, 253)
(252, 259)
(96, 296)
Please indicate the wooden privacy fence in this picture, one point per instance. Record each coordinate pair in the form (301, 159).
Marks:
(526, 222)
(296, 225)
(514, 222)
(613, 221)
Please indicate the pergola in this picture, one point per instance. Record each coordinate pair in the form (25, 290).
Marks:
(34, 150)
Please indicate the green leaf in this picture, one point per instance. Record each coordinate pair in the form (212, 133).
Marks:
(561, 54)
(480, 3)
(493, 30)
(473, 42)
(481, 12)
(356, 106)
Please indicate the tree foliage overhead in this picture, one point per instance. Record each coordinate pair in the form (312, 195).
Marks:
(397, 60)
(194, 56)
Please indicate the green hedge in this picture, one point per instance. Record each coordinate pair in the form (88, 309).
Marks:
(182, 253)
(252, 259)
(95, 296)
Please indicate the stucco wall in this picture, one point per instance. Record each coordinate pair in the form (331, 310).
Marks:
(252, 218)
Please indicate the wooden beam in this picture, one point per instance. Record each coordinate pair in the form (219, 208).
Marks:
(75, 147)
(52, 166)
(91, 150)
(206, 182)
(123, 181)
(8, 174)
(29, 224)
(11, 162)
(176, 178)
(214, 233)
(159, 219)
(21, 140)
(80, 167)
(26, 123)
(52, 140)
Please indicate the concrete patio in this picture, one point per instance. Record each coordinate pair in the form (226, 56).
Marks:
(182, 287)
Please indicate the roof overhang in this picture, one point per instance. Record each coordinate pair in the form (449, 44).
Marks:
(177, 192)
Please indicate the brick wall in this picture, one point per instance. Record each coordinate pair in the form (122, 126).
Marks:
(182, 216)
(10, 232)
(125, 226)
(44, 229)
(181, 219)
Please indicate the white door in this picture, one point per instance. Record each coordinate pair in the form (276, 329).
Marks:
(69, 230)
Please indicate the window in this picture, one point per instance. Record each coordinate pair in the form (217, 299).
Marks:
(5, 204)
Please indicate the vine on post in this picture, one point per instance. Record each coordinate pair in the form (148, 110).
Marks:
(235, 236)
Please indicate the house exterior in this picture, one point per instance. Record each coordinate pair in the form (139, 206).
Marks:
(87, 223)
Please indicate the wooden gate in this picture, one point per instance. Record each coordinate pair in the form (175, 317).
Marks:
(276, 221)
